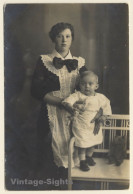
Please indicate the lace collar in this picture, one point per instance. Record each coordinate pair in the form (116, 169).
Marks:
(48, 61)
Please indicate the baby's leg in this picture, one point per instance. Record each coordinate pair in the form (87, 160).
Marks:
(89, 151)
(83, 164)
(81, 152)
(89, 159)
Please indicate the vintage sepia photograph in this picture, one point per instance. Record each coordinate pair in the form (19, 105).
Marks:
(66, 96)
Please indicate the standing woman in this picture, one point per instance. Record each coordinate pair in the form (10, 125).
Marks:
(54, 79)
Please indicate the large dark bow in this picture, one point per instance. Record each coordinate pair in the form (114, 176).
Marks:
(71, 64)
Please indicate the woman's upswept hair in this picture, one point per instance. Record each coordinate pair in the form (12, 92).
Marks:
(59, 27)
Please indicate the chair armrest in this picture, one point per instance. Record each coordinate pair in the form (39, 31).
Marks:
(70, 155)
(70, 158)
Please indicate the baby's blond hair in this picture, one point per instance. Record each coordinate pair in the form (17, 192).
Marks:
(88, 73)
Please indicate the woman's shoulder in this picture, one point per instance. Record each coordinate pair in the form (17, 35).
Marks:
(81, 61)
(46, 57)
(46, 60)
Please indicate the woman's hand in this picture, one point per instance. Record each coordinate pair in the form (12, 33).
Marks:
(68, 107)
(79, 106)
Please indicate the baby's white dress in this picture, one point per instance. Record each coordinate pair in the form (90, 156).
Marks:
(82, 127)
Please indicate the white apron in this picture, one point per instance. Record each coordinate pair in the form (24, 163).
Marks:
(58, 118)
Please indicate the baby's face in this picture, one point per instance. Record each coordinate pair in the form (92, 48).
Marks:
(88, 85)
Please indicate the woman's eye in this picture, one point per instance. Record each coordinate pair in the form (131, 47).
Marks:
(82, 84)
(90, 84)
(59, 36)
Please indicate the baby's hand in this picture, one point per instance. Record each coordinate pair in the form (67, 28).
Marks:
(98, 115)
(102, 119)
(98, 123)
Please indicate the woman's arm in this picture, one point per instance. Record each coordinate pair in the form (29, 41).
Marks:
(68, 107)
(44, 82)
(53, 100)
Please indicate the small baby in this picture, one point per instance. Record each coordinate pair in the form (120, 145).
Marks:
(84, 113)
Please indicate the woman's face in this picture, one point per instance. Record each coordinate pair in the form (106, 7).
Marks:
(63, 41)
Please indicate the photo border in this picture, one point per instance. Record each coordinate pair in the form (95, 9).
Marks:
(2, 160)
